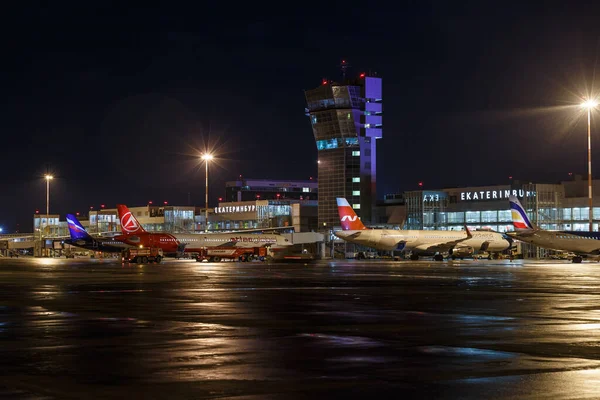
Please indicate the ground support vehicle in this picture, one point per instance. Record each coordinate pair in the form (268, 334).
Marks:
(142, 256)
(217, 254)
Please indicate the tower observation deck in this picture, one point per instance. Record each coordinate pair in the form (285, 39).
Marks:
(346, 120)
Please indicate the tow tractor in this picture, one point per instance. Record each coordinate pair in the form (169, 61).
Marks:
(142, 255)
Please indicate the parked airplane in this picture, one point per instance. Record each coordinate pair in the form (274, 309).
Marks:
(81, 238)
(173, 243)
(455, 243)
(579, 242)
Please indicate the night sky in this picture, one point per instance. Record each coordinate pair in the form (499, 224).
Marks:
(118, 102)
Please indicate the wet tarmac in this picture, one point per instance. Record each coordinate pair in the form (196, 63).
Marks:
(72, 329)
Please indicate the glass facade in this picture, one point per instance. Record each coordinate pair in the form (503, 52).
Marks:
(426, 210)
(49, 226)
(179, 219)
(274, 215)
(486, 207)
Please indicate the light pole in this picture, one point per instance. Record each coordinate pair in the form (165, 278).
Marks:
(206, 157)
(589, 105)
(48, 179)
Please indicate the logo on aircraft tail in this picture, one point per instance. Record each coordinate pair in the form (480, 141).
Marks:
(519, 217)
(128, 223)
(73, 225)
(348, 218)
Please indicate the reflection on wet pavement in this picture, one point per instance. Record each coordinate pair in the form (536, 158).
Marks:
(489, 329)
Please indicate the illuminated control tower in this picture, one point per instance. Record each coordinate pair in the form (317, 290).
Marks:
(346, 119)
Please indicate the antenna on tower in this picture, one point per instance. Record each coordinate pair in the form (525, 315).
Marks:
(344, 66)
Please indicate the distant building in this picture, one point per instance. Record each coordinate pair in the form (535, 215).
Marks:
(265, 189)
(346, 120)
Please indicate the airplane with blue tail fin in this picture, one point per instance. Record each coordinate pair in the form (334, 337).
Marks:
(81, 238)
(581, 243)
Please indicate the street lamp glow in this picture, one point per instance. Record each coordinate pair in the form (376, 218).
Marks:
(589, 104)
(206, 157)
(48, 179)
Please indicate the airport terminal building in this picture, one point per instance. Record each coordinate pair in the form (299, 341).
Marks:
(562, 206)
(249, 204)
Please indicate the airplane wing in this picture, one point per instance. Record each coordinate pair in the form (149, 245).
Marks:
(526, 233)
(444, 246)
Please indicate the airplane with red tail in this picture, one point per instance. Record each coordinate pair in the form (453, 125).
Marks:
(174, 243)
(455, 243)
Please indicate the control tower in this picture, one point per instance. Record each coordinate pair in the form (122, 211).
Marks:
(346, 120)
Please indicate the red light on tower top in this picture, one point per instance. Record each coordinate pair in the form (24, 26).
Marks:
(324, 82)
(101, 205)
(362, 75)
(220, 199)
(165, 202)
(420, 184)
(37, 211)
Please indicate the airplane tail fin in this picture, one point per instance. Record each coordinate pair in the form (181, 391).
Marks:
(519, 217)
(129, 224)
(348, 218)
(76, 230)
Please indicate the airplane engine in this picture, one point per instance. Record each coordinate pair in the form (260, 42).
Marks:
(463, 251)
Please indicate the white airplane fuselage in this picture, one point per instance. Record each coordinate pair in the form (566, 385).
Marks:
(563, 241)
(390, 239)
